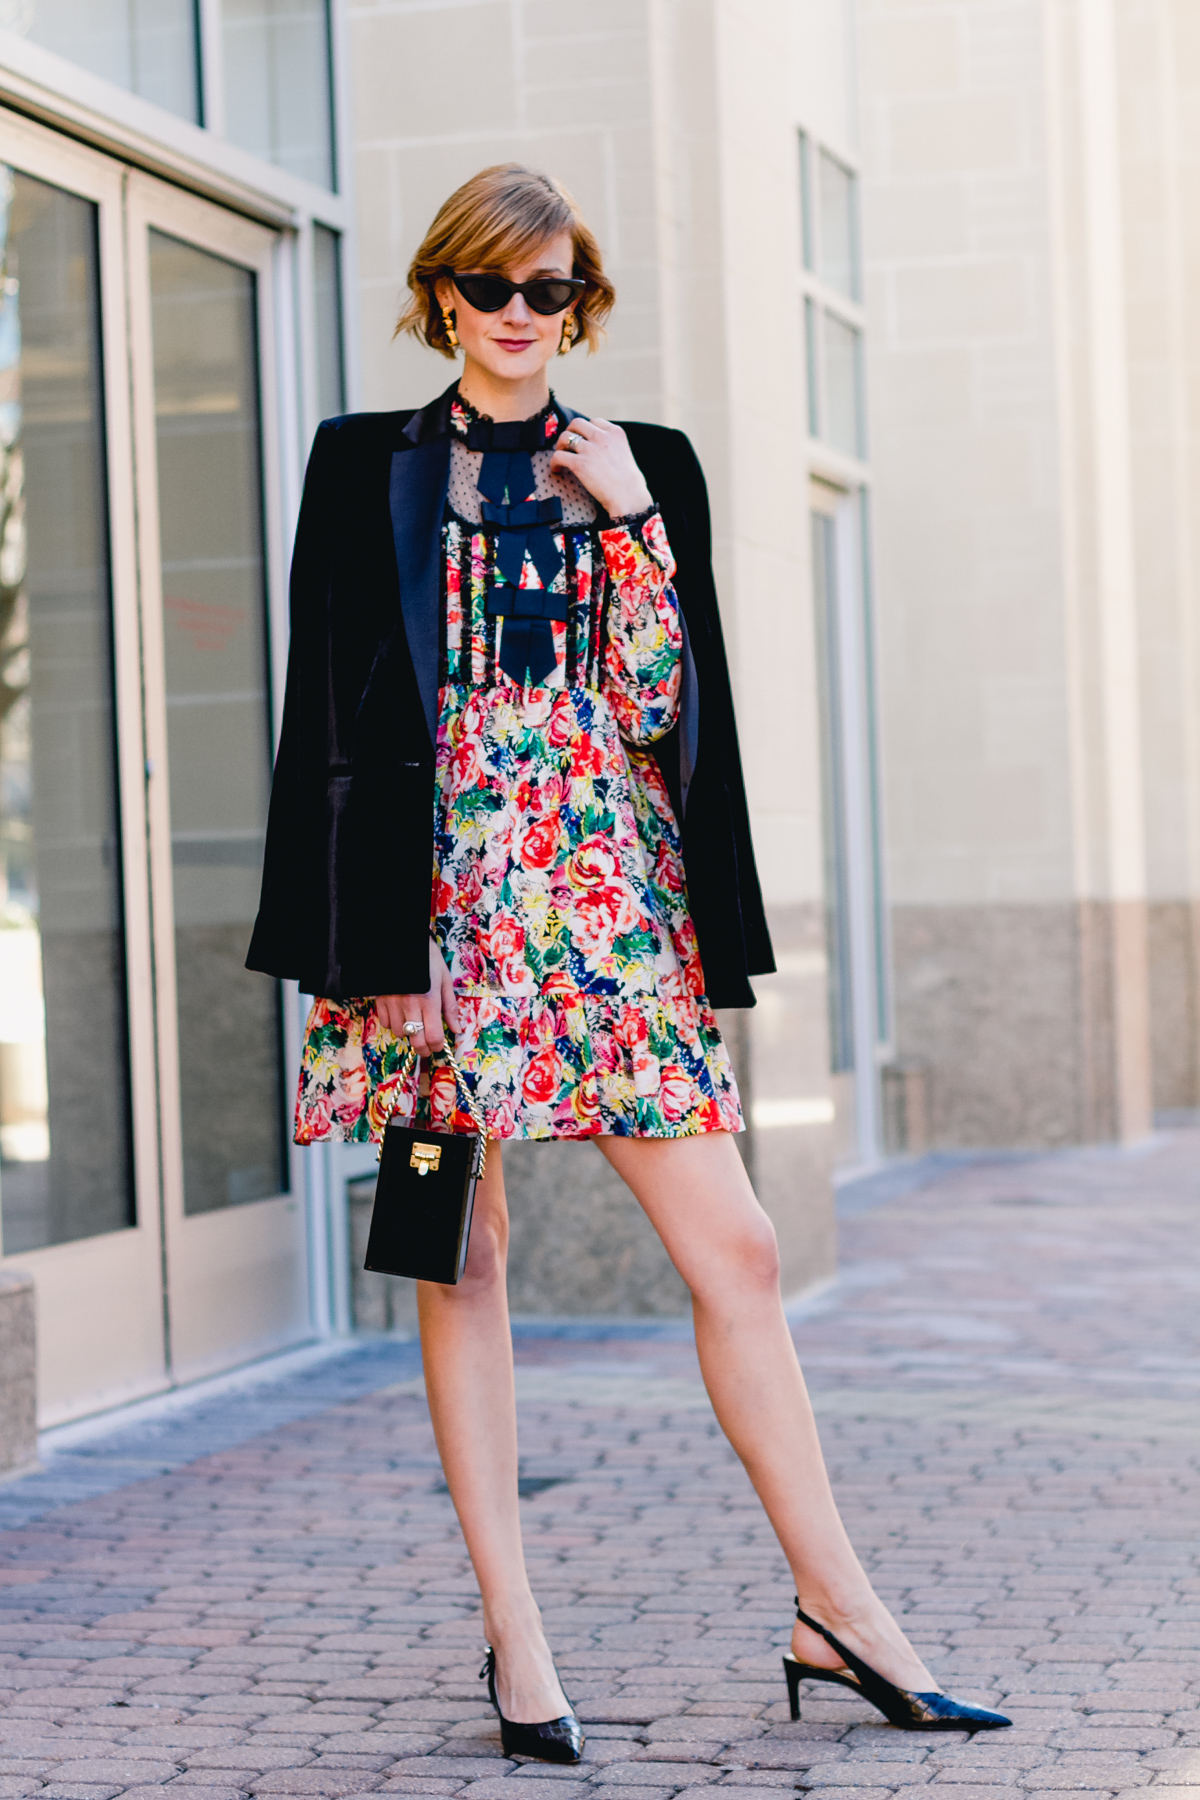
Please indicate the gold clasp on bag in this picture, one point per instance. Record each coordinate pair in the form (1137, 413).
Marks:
(427, 1156)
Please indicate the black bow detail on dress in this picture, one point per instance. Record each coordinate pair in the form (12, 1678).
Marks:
(507, 434)
(527, 642)
(523, 527)
(527, 645)
(526, 530)
(506, 473)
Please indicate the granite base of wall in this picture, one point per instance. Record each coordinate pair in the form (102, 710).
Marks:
(1034, 1021)
(580, 1242)
(18, 1374)
(1174, 945)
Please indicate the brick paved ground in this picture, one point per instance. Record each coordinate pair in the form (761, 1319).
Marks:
(1007, 1379)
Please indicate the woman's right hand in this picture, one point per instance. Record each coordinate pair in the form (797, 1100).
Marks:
(398, 1010)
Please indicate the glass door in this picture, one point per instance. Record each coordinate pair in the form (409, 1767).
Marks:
(202, 308)
(146, 1179)
(78, 1165)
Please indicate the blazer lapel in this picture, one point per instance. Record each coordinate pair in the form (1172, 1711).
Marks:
(417, 497)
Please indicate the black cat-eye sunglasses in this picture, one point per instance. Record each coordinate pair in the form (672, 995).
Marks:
(491, 293)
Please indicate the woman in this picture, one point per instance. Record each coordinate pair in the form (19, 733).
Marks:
(506, 668)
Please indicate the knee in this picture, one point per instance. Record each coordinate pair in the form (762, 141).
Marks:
(740, 1268)
(762, 1254)
(753, 1255)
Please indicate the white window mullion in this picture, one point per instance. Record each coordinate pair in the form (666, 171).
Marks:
(212, 65)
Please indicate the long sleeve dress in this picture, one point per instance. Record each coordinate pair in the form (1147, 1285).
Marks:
(558, 897)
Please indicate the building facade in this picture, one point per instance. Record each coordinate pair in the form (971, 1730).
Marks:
(1029, 200)
(914, 280)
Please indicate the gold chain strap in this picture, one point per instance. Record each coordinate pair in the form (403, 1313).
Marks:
(460, 1083)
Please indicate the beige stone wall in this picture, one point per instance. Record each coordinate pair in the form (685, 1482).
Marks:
(1030, 222)
(674, 124)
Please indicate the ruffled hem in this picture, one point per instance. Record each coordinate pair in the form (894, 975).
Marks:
(556, 1066)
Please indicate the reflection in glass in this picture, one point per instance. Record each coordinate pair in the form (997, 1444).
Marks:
(218, 718)
(327, 313)
(843, 387)
(839, 226)
(812, 369)
(833, 794)
(277, 86)
(65, 1168)
(147, 46)
(806, 208)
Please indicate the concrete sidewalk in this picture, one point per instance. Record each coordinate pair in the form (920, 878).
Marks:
(1009, 1387)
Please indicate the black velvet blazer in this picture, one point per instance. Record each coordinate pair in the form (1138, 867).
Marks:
(349, 852)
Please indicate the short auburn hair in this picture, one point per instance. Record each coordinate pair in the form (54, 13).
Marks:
(492, 222)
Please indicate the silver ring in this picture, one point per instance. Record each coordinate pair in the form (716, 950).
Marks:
(412, 1026)
(571, 441)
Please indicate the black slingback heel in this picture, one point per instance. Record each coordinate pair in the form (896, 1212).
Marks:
(555, 1740)
(906, 1710)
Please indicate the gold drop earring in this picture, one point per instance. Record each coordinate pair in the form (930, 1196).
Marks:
(448, 323)
(568, 334)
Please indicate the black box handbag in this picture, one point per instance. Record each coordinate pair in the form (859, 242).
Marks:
(424, 1196)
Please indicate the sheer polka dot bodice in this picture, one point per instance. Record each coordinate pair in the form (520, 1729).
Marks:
(466, 502)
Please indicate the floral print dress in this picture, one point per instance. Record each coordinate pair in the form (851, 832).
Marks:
(558, 896)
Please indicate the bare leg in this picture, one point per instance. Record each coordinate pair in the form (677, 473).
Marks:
(467, 1347)
(698, 1198)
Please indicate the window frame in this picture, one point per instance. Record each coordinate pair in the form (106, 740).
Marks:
(819, 299)
(840, 487)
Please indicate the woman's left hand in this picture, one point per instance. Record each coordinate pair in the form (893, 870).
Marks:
(599, 456)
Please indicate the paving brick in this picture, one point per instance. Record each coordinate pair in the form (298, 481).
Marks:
(422, 1784)
(125, 1771)
(858, 1793)
(384, 1742)
(757, 1782)
(461, 1766)
(1078, 1771)
(850, 1775)
(325, 1782)
(961, 1791)
(215, 1778)
(70, 1790)
(782, 1756)
(1161, 1792)
(655, 1774)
